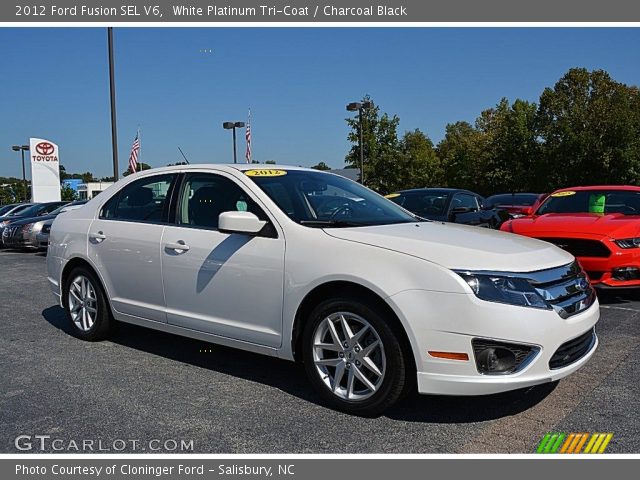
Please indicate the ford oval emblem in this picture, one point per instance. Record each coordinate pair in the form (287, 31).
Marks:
(582, 284)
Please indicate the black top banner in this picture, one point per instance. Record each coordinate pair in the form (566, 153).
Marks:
(262, 11)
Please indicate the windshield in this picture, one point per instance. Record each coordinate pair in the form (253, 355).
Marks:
(524, 199)
(19, 209)
(31, 211)
(6, 209)
(626, 202)
(424, 203)
(317, 199)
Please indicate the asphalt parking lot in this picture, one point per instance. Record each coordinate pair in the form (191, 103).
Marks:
(147, 385)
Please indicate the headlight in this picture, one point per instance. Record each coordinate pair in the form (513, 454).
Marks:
(503, 289)
(628, 242)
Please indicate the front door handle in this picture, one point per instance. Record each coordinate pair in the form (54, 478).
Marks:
(178, 247)
(97, 237)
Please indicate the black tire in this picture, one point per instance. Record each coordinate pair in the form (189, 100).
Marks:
(102, 324)
(395, 379)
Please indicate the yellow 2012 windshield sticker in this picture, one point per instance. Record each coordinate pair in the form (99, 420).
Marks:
(566, 193)
(266, 172)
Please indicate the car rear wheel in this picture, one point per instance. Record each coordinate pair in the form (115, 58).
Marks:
(353, 358)
(86, 305)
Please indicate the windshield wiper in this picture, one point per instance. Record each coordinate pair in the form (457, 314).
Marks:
(330, 223)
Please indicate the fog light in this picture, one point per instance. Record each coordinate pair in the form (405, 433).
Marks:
(626, 273)
(495, 358)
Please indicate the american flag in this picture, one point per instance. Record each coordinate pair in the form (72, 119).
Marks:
(135, 151)
(247, 136)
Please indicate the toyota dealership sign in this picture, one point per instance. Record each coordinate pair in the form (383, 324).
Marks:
(45, 170)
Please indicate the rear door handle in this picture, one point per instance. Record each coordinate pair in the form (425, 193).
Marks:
(178, 247)
(97, 237)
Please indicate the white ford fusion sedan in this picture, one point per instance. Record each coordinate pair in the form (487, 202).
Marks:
(310, 266)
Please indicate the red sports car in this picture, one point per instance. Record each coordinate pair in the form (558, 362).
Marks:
(600, 225)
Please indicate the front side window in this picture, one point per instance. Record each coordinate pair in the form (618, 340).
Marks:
(464, 200)
(205, 196)
(317, 199)
(145, 200)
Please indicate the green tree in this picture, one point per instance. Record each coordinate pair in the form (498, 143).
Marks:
(417, 163)
(589, 126)
(321, 166)
(67, 193)
(380, 146)
(458, 152)
(141, 167)
(270, 162)
(63, 173)
(508, 147)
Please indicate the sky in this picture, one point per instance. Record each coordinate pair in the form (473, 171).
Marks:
(179, 84)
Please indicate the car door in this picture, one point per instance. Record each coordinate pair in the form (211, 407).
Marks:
(471, 214)
(227, 284)
(124, 244)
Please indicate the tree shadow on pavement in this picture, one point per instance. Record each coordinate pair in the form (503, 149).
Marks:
(291, 378)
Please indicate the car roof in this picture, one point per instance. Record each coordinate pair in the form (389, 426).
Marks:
(229, 167)
(599, 187)
(437, 190)
(512, 194)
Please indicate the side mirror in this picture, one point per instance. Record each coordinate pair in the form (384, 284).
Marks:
(240, 222)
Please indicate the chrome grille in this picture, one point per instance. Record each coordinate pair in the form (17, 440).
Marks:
(566, 289)
(10, 231)
(580, 247)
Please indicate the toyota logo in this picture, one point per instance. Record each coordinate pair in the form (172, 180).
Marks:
(45, 148)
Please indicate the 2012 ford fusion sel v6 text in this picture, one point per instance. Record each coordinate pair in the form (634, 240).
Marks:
(310, 266)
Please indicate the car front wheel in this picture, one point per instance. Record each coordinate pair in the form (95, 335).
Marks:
(353, 357)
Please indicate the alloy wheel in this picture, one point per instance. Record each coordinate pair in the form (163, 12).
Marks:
(83, 303)
(349, 356)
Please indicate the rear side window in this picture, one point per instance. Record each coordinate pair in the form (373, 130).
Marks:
(145, 200)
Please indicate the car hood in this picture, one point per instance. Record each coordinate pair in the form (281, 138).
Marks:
(615, 225)
(459, 246)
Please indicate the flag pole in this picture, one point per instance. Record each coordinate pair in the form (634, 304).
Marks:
(139, 150)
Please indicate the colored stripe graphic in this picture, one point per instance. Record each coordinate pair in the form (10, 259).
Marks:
(558, 442)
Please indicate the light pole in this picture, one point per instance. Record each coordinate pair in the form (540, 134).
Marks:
(360, 106)
(233, 126)
(112, 92)
(22, 149)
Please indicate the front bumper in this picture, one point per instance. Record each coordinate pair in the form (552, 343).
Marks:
(602, 270)
(447, 322)
(17, 240)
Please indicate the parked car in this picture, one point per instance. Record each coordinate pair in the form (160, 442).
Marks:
(28, 211)
(5, 209)
(517, 204)
(24, 233)
(449, 205)
(368, 296)
(600, 225)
